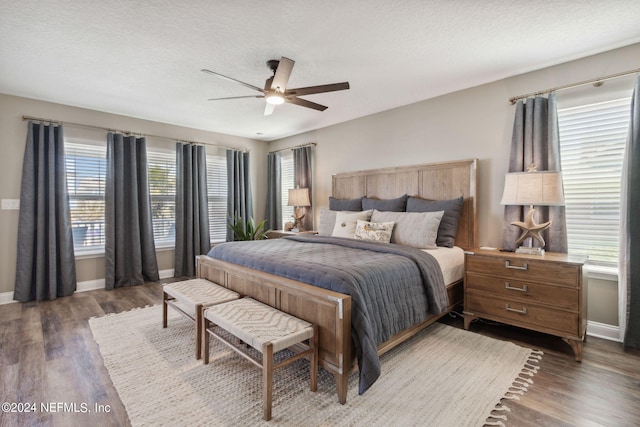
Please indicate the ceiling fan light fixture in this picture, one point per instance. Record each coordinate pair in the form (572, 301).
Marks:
(275, 99)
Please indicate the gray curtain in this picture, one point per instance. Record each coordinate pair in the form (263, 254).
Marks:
(239, 201)
(536, 141)
(192, 210)
(630, 247)
(274, 192)
(130, 253)
(45, 268)
(303, 178)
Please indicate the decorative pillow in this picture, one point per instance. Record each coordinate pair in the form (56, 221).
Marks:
(327, 222)
(353, 205)
(415, 229)
(394, 205)
(449, 224)
(346, 223)
(377, 231)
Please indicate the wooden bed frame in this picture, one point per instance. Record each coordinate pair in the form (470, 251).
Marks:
(331, 311)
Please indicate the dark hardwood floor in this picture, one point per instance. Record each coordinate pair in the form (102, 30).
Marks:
(48, 357)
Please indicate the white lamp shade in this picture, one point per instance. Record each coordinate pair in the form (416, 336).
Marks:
(533, 188)
(299, 197)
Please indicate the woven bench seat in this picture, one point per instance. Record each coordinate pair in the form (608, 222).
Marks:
(268, 330)
(194, 296)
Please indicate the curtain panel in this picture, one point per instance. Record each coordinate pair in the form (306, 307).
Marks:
(536, 141)
(274, 192)
(630, 230)
(239, 199)
(45, 266)
(303, 178)
(192, 210)
(130, 253)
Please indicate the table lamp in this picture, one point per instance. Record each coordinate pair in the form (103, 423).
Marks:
(531, 188)
(298, 197)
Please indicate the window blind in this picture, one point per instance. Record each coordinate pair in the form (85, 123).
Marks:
(86, 166)
(592, 143)
(286, 182)
(217, 194)
(162, 188)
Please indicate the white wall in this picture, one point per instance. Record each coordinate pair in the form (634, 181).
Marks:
(12, 143)
(473, 123)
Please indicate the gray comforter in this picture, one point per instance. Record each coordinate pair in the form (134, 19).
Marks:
(392, 287)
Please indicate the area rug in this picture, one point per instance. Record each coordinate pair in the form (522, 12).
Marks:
(443, 376)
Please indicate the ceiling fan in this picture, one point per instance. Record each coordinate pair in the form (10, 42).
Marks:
(275, 89)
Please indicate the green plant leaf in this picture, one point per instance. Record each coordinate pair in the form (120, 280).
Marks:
(248, 230)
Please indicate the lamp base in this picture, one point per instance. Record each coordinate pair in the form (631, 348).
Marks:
(297, 216)
(529, 250)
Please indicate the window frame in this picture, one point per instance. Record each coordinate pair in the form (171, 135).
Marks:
(155, 154)
(82, 146)
(217, 218)
(287, 181)
(580, 148)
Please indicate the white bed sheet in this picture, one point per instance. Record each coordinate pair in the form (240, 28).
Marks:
(451, 262)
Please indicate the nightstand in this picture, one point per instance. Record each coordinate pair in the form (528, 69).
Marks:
(276, 234)
(545, 293)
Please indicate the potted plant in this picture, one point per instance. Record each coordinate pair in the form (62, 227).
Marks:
(248, 230)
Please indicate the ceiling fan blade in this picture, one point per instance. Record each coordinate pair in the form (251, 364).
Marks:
(236, 97)
(283, 72)
(268, 109)
(233, 80)
(304, 103)
(318, 89)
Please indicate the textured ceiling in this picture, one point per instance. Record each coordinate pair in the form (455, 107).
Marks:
(143, 58)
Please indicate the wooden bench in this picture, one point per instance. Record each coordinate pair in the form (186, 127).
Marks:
(268, 331)
(191, 298)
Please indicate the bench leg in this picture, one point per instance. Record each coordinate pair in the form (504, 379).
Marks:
(199, 317)
(205, 350)
(165, 297)
(313, 359)
(267, 379)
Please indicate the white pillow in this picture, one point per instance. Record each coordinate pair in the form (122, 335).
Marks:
(377, 231)
(346, 222)
(415, 229)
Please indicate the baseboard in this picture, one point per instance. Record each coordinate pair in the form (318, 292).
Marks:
(87, 285)
(604, 331)
(6, 298)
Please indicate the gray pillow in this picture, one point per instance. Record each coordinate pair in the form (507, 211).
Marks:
(415, 229)
(327, 221)
(389, 205)
(354, 205)
(449, 224)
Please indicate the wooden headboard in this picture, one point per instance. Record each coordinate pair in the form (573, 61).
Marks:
(434, 181)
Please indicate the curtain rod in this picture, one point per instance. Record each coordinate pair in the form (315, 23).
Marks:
(596, 82)
(295, 146)
(60, 122)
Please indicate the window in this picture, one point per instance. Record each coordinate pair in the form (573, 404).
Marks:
(86, 165)
(287, 182)
(217, 194)
(592, 143)
(86, 162)
(162, 188)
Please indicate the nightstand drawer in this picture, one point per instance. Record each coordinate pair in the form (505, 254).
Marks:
(522, 314)
(525, 269)
(556, 296)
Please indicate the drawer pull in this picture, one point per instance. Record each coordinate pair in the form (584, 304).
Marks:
(507, 264)
(515, 310)
(507, 285)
